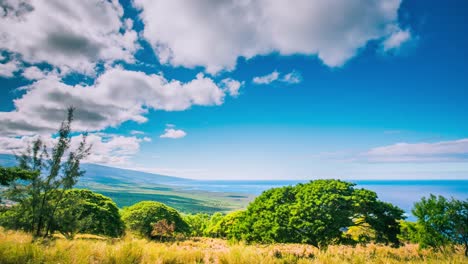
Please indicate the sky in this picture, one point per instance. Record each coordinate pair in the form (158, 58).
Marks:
(243, 90)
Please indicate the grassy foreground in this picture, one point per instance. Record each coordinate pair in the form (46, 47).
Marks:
(16, 247)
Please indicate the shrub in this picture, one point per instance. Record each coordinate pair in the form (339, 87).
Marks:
(142, 217)
(84, 211)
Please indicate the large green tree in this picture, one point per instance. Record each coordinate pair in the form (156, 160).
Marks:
(41, 178)
(442, 222)
(316, 213)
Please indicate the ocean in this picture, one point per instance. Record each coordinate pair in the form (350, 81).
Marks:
(403, 193)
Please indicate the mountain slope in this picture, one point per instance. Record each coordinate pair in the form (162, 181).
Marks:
(127, 187)
(110, 175)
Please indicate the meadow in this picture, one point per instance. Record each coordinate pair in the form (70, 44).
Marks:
(17, 247)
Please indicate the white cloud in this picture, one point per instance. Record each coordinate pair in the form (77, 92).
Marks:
(443, 151)
(116, 96)
(396, 39)
(72, 36)
(293, 77)
(173, 133)
(231, 86)
(214, 34)
(8, 69)
(146, 139)
(266, 79)
(34, 73)
(106, 149)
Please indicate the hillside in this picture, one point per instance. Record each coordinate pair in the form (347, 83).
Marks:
(127, 187)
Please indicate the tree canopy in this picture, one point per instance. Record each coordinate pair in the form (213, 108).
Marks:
(317, 213)
(84, 211)
(143, 216)
(441, 222)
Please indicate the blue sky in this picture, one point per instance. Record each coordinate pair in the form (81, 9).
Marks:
(242, 90)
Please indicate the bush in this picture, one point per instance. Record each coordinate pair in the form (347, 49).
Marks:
(84, 211)
(142, 217)
(198, 223)
(79, 211)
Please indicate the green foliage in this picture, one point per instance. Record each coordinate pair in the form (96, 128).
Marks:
(40, 191)
(11, 174)
(213, 229)
(442, 222)
(315, 213)
(198, 224)
(232, 226)
(409, 232)
(84, 211)
(141, 217)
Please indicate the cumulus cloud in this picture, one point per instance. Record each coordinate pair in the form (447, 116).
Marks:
(289, 78)
(34, 73)
(72, 36)
(8, 69)
(214, 34)
(171, 132)
(443, 151)
(231, 86)
(106, 149)
(396, 39)
(116, 96)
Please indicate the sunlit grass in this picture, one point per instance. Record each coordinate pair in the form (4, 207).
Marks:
(16, 247)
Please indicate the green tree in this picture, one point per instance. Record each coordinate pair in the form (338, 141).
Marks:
(410, 232)
(213, 229)
(84, 211)
(40, 194)
(317, 213)
(442, 222)
(141, 217)
(198, 223)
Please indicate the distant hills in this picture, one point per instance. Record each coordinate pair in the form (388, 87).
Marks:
(110, 175)
(127, 187)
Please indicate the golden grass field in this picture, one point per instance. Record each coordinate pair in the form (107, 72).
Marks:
(16, 247)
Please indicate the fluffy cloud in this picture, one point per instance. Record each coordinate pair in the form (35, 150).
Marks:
(116, 96)
(72, 36)
(444, 151)
(289, 78)
(231, 86)
(214, 34)
(34, 73)
(173, 133)
(106, 149)
(8, 69)
(396, 39)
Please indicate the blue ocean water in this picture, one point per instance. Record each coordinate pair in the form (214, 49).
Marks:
(403, 193)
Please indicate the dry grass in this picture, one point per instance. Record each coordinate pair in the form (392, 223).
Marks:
(16, 247)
